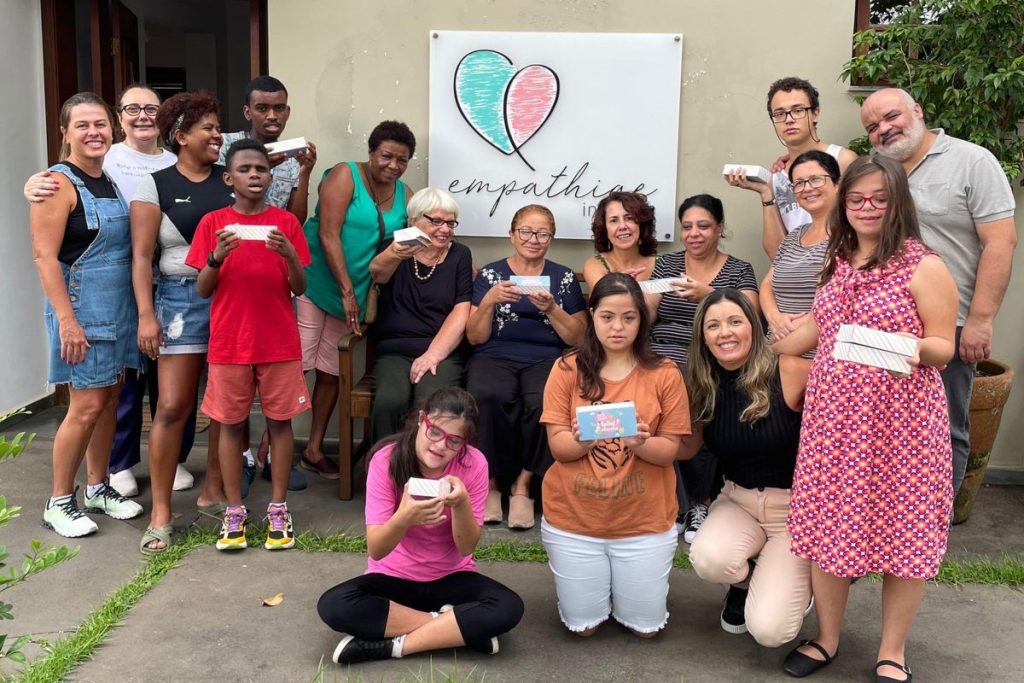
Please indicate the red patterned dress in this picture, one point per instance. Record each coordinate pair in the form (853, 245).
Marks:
(872, 490)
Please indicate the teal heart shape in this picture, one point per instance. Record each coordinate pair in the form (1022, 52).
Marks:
(480, 83)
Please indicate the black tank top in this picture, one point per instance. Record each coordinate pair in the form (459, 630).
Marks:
(753, 455)
(77, 235)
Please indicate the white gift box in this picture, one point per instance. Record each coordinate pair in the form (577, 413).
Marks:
(532, 284)
(660, 285)
(410, 237)
(755, 174)
(867, 346)
(251, 232)
(429, 488)
(289, 148)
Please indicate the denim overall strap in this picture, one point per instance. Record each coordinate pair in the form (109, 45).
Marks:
(99, 281)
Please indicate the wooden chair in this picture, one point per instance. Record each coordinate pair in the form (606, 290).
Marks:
(355, 398)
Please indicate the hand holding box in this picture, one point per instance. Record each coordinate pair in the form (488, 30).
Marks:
(607, 421)
(752, 172)
(429, 488)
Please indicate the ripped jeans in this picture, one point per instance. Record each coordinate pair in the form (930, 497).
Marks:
(184, 315)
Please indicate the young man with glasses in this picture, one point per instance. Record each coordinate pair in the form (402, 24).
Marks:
(793, 108)
(965, 207)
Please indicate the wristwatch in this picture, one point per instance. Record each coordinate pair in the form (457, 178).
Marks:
(212, 261)
(770, 202)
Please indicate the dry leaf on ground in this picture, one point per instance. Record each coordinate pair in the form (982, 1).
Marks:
(274, 601)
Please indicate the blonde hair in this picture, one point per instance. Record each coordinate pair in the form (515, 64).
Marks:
(757, 376)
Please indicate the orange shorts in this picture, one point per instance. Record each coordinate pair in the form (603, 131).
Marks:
(230, 390)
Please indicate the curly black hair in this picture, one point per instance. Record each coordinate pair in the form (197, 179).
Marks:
(636, 205)
(789, 84)
(190, 107)
(395, 131)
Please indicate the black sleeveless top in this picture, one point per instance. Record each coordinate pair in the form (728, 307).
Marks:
(77, 235)
(753, 455)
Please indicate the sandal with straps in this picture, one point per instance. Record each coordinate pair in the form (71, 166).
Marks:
(889, 679)
(799, 665)
(161, 534)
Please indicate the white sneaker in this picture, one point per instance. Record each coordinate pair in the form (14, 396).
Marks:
(124, 483)
(66, 519)
(112, 504)
(183, 479)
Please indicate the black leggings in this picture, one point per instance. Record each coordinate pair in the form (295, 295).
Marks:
(484, 608)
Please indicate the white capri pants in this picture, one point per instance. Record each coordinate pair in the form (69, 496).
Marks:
(626, 578)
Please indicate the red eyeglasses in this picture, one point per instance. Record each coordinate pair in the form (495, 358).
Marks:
(452, 442)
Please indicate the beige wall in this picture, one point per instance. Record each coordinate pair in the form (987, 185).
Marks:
(349, 65)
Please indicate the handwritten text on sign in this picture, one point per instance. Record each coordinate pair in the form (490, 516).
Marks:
(559, 119)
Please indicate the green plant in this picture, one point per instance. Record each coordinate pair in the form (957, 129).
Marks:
(963, 61)
(37, 560)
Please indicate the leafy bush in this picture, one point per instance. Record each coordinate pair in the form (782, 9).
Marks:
(33, 562)
(963, 61)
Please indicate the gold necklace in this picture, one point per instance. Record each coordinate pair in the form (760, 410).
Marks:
(416, 267)
(373, 191)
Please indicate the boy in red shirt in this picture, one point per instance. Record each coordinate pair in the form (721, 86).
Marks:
(251, 258)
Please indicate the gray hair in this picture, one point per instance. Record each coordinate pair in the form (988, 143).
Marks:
(431, 199)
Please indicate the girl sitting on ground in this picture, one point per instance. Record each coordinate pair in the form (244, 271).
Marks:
(421, 590)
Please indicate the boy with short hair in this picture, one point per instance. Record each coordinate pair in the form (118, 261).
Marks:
(251, 258)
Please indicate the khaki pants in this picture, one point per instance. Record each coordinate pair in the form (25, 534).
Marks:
(746, 524)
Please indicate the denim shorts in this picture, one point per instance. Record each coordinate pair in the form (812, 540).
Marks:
(184, 315)
(104, 359)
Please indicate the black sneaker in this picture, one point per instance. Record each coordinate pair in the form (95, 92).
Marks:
(733, 619)
(692, 520)
(248, 477)
(296, 479)
(351, 650)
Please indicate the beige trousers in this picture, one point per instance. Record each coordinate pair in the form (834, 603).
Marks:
(745, 524)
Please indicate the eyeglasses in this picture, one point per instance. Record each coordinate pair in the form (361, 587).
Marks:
(542, 235)
(438, 222)
(856, 202)
(136, 109)
(814, 181)
(434, 433)
(779, 115)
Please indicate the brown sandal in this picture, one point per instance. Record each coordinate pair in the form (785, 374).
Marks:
(493, 513)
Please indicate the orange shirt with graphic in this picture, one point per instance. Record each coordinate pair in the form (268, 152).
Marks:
(610, 492)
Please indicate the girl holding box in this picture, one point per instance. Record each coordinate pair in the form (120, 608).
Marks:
(872, 489)
(610, 504)
(421, 590)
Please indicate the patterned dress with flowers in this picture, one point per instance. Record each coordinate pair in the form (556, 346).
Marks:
(872, 490)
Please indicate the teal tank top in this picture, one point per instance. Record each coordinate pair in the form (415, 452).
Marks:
(359, 236)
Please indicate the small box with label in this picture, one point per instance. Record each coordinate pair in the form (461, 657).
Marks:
(429, 488)
(753, 173)
(411, 237)
(290, 148)
(251, 232)
(867, 346)
(607, 421)
(532, 284)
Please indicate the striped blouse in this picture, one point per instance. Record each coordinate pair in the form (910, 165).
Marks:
(796, 272)
(671, 334)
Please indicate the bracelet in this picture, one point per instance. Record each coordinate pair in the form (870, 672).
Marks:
(770, 202)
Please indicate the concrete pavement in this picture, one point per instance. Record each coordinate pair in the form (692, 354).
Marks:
(204, 620)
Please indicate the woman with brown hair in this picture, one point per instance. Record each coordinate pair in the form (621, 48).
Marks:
(81, 243)
(623, 235)
(878, 440)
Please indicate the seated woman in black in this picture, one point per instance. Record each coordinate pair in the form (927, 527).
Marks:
(745, 404)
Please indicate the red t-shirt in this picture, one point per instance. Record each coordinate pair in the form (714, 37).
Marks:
(251, 317)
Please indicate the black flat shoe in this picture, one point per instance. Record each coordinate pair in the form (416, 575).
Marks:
(799, 665)
(889, 679)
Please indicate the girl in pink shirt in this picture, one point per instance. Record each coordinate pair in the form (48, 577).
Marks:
(421, 590)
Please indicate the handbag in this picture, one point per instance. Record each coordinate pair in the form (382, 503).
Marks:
(373, 294)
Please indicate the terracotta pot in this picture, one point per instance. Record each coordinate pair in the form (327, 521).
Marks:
(991, 390)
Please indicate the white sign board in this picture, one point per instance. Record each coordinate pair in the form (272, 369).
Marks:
(559, 119)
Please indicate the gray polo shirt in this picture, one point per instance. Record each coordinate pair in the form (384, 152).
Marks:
(956, 186)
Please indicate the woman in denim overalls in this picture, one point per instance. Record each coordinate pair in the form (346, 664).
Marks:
(82, 247)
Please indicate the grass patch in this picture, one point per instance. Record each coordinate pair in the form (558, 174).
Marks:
(1006, 571)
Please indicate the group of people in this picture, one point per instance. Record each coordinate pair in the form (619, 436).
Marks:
(797, 472)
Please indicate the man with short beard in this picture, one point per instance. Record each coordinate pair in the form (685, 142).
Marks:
(965, 207)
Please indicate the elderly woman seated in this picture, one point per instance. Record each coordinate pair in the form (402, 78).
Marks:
(518, 331)
(424, 304)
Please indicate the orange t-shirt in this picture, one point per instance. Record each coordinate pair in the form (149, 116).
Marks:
(611, 492)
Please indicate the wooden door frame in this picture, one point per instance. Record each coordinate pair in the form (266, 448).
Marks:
(258, 43)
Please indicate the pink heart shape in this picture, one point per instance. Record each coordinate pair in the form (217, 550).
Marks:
(530, 98)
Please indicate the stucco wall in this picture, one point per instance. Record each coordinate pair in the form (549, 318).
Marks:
(349, 65)
(23, 360)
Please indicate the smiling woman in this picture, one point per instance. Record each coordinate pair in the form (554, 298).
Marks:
(175, 324)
